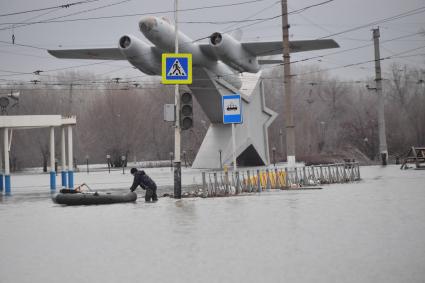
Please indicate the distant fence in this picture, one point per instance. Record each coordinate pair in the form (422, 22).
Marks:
(223, 183)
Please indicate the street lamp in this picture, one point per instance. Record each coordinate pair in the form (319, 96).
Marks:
(281, 140)
(123, 163)
(108, 159)
(87, 163)
(171, 160)
(322, 135)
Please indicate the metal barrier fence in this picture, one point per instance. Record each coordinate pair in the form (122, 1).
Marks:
(224, 183)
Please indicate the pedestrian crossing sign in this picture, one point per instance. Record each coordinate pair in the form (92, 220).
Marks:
(176, 68)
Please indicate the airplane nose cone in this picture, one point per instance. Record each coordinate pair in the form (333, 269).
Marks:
(146, 24)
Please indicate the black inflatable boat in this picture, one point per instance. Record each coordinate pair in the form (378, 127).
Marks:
(93, 198)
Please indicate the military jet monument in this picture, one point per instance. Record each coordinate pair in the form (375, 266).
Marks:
(217, 69)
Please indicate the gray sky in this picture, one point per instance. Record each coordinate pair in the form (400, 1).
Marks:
(316, 22)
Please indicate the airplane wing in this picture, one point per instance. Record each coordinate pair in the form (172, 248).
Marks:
(275, 47)
(96, 53)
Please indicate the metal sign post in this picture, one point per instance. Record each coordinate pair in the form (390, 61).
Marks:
(232, 114)
(177, 69)
(234, 147)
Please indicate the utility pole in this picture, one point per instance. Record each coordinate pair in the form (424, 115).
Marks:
(177, 129)
(290, 127)
(381, 102)
(70, 100)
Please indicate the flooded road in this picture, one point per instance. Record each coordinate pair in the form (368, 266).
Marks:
(371, 231)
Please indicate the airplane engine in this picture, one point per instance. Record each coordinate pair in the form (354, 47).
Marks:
(140, 55)
(231, 52)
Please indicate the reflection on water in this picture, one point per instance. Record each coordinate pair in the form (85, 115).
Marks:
(367, 232)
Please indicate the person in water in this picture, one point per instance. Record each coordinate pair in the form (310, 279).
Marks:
(142, 179)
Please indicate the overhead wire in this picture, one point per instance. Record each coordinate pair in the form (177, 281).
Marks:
(323, 28)
(364, 62)
(29, 19)
(23, 45)
(419, 9)
(146, 13)
(69, 15)
(47, 8)
(374, 23)
(280, 15)
(23, 54)
(256, 13)
(274, 66)
(204, 7)
(400, 57)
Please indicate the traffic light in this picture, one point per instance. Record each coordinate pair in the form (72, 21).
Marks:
(186, 111)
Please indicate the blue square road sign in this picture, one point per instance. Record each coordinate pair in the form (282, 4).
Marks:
(232, 109)
(176, 68)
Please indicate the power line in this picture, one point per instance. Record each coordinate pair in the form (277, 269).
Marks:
(32, 18)
(392, 18)
(364, 62)
(366, 45)
(412, 55)
(255, 14)
(48, 8)
(190, 9)
(281, 15)
(53, 70)
(143, 14)
(293, 62)
(142, 84)
(23, 45)
(247, 20)
(296, 11)
(65, 16)
(24, 54)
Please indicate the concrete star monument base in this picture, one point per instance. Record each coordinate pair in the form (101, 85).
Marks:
(251, 136)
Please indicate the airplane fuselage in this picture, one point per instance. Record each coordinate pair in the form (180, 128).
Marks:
(162, 34)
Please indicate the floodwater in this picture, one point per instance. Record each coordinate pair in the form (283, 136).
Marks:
(370, 231)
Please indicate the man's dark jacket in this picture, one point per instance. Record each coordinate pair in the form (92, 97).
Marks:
(140, 178)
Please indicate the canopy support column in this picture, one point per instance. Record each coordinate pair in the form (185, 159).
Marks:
(70, 159)
(63, 157)
(52, 160)
(6, 161)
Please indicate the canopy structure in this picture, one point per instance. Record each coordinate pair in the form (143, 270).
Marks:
(10, 123)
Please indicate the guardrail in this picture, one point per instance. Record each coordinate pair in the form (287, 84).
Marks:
(224, 183)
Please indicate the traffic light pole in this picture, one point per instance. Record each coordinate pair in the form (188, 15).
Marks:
(177, 129)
